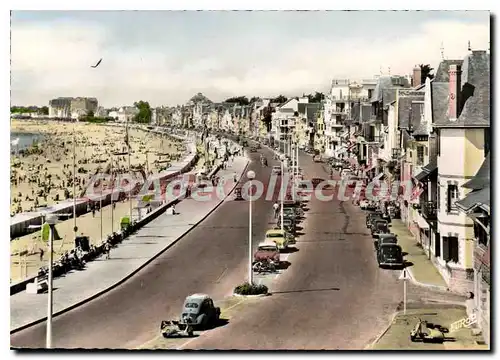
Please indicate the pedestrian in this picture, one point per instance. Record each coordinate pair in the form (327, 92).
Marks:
(41, 254)
(276, 208)
(235, 177)
(107, 249)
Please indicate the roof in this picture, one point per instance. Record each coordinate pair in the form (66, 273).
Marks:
(439, 94)
(387, 82)
(474, 199)
(427, 170)
(197, 297)
(475, 90)
(275, 231)
(442, 74)
(406, 110)
(267, 243)
(482, 177)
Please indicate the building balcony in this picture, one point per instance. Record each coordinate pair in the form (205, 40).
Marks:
(429, 210)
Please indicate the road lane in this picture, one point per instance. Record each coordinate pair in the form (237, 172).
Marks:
(332, 296)
(211, 259)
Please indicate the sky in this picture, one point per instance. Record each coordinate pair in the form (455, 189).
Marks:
(165, 57)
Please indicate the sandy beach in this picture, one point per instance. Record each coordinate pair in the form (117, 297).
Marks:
(94, 144)
(43, 175)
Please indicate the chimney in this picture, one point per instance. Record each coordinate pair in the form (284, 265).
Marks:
(454, 92)
(417, 76)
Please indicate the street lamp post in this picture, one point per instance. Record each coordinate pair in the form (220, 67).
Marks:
(293, 171)
(51, 220)
(250, 176)
(282, 158)
(75, 228)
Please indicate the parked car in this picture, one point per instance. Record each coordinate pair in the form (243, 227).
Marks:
(379, 226)
(277, 236)
(276, 170)
(289, 225)
(317, 158)
(199, 310)
(267, 250)
(390, 255)
(370, 216)
(385, 239)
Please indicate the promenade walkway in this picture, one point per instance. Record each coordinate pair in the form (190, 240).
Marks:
(125, 260)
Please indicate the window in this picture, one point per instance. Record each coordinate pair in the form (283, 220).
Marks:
(370, 93)
(452, 197)
(420, 155)
(479, 233)
(438, 144)
(450, 249)
(437, 251)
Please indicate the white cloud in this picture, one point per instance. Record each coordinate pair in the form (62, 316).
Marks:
(51, 61)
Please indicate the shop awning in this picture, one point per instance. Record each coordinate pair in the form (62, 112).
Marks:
(422, 224)
(427, 170)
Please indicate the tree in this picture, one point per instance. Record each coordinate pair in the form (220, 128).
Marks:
(145, 113)
(240, 100)
(254, 99)
(90, 114)
(267, 117)
(44, 110)
(279, 99)
(425, 72)
(316, 98)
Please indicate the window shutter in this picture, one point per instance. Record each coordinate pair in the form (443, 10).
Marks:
(426, 151)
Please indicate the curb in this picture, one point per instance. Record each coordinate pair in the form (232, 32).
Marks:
(377, 339)
(102, 292)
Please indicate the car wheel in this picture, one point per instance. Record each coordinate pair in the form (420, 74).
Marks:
(203, 321)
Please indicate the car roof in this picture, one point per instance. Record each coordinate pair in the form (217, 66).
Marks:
(389, 245)
(385, 236)
(197, 298)
(267, 243)
(275, 231)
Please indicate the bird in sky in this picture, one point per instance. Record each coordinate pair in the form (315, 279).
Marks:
(96, 65)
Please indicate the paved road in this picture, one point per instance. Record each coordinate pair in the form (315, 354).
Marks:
(211, 259)
(332, 296)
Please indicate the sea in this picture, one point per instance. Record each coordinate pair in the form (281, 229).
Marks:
(25, 140)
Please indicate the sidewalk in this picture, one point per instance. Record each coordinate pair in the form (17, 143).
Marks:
(130, 256)
(397, 336)
(422, 270)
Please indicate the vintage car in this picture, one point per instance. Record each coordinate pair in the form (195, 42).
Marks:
(372, 215)
(279, 237)
(289, 225)
(276, 170)
(390, 255)
(379, 226)
(199, 311)
(267, 250)
(385, 239)
(317, 158)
